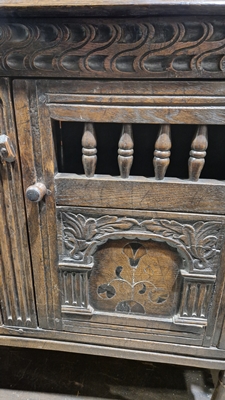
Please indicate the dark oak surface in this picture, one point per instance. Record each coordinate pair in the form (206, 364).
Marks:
(16, 287)
(125, 261)
(39, 373)
(112, 8)
(155, 47)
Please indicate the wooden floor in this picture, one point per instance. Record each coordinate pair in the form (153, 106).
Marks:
(40, 375)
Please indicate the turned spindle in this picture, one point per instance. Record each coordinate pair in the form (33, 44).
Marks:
(125, 151)
(89, 143)
(161, 158)
(198, 152)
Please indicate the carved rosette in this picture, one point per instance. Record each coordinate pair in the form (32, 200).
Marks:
(166, 47)
(197, 244)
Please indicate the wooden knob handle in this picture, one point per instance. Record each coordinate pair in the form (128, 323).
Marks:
(36, 192)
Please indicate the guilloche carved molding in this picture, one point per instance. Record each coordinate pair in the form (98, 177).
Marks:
(144, 48)
(198, 243)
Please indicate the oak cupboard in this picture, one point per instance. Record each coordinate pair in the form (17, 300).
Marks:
(112, 179)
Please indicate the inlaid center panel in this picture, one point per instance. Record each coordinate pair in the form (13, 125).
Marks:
(139, 268)
(135, 277)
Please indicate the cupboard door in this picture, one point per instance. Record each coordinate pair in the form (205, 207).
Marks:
(16, 285)
(116, 254)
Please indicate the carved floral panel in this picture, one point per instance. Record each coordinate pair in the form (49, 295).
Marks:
(152, 266)
(135, 277)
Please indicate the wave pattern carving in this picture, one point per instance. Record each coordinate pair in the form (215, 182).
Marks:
(111, 48)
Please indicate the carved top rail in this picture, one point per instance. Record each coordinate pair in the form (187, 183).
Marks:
(170, 47)
(110, 8)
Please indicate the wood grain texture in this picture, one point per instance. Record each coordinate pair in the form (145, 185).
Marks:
(170, 194)
(16, 288)
(33, 150)
(198, 152)
(141, 49)
(161, 158)
(68, 283)
(125, 151)
(113, 352)
(89, 150)
(136, 279)
(126, 8)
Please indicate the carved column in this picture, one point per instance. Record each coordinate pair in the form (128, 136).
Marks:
(75, 289)
(196, 296)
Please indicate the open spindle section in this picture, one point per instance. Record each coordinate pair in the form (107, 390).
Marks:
(89, 150)
(125, 151)
(198, 152)
(144, 150)
(162, 152)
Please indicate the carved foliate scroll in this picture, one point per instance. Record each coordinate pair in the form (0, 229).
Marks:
(199, 243)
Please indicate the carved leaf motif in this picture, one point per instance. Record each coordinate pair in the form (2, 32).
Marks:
(123, 225)
(115, 223)
(164, 227)
(79, 231)
(71, 243)
(105, 220)
(202, 240)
